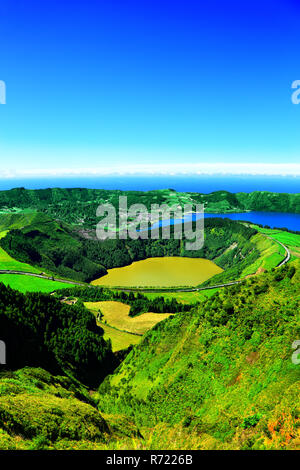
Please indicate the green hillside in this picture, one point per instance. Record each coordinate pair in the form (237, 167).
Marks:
(269, 201)
(216, 374)
(78, 206)
(39, 241)
(219, 376)
(223, 371)
(39, 410)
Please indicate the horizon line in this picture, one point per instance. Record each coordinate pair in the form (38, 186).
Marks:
(189, 169)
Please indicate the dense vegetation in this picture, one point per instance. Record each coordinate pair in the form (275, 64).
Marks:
(217, 377)
(139, 303)
(224, 371)
(38, 330)
(39, 410)
(55, 247)
(220, 235)
(50, 245)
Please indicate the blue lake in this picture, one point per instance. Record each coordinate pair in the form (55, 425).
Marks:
(273, 219)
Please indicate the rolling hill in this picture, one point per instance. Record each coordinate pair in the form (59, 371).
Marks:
(78, 206)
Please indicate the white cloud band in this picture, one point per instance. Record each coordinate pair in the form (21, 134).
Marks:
(193, 169)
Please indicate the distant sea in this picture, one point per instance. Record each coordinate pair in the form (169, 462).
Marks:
(200, 183)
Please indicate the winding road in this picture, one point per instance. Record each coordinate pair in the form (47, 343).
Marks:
(287, 256)
(134, 289)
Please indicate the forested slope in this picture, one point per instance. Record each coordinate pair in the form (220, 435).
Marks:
(38, 240)
(223, 371)
(38, 330)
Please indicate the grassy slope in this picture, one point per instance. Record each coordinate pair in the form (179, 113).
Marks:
(287, 238)
(8, 263)
(270, 255)
(18, 220)
(42, 411)
(224, 372)
(24, 283)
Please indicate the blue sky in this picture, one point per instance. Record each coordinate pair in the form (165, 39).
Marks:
(149, 86)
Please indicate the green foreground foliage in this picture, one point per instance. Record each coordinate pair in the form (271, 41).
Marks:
(39, 410)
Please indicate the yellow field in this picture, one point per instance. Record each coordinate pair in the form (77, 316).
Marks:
(115, 314)
(119, 339)
(161, 272)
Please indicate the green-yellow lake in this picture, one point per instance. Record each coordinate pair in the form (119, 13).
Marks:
(161, 272)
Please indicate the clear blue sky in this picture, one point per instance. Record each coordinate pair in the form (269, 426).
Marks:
(101, 84)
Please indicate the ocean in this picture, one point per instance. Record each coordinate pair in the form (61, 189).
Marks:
(199, 183)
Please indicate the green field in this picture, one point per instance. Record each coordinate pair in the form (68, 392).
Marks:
(25, 283)
(161, 272)
(183, 297)
(287, 238)
(290, 240)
